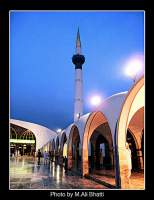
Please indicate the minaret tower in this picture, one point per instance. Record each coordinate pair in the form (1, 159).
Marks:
(78, 59)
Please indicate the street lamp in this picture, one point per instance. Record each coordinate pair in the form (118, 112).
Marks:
(133, 67)
(95, 100)
(78, 115)
(59, 130)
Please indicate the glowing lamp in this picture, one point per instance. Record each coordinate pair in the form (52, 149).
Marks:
(95, 100)
(134, 66)
(59, 130)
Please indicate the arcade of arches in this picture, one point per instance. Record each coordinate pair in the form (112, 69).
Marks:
(97, 150)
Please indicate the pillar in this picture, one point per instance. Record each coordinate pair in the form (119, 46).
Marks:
(140, 159)
(124, 168)
(70, 161)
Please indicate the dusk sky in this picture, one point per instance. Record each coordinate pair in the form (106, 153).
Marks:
(41, 70)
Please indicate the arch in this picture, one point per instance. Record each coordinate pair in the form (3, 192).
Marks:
(100, 152)
(133, 145)
(94, 121)
(57, 150)
(43, 135)
(134, 137)
(53, 145)
(49, 146)
(57, 144)
(136, 126)
(13, 134)
(63, 145)
(27, 135)
(74, 139)
(22, 141)
(133, 102)
(63, 140)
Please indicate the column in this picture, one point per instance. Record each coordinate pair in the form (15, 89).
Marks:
(140, 159)
(124, 168)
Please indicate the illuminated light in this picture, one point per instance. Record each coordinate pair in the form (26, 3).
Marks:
(96, 100)
(58, 174)
(78, 115)
(134, 66)
(65, 150)
(22, 141)
(59, 130)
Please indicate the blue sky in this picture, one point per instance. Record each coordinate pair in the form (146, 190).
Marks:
(41, 70)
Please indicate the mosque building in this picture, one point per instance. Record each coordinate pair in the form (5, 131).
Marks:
(94, 141)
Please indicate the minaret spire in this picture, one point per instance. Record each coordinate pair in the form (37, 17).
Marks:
(78, 43)
(78, 60)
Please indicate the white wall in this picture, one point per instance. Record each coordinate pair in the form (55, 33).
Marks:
(43, 135)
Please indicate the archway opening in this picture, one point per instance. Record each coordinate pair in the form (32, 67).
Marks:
(57, 151)
(131, 141)
(76, 158)
(100, 151)
(22, 141)
(64, 148)
(131, 118)
(74, 150)
(135, 140)
(97, 125)
(53, 150)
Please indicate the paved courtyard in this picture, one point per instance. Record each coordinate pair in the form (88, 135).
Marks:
(25, 173)
(108, 178)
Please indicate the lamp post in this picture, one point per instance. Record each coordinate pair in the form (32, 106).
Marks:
(95, 100)
(133, 67)
(59, 130)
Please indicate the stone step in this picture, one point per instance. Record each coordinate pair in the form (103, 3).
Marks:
(100, 181)
(104, 174)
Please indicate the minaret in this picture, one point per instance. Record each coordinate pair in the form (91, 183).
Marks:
(78, 59)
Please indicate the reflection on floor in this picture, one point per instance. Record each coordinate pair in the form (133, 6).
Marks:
(108, 177)
(26, 174)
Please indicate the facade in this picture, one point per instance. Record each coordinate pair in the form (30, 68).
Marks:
(119, 121)
(42, 134)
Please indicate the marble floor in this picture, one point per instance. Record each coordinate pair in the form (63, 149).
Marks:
(25, 173)
(108, 176)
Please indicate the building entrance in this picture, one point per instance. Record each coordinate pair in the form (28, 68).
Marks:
(100, 157)
(22, 141)
(132, 146)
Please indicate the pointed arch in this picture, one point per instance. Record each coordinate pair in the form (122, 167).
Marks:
(94, 121)
(133, 102)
